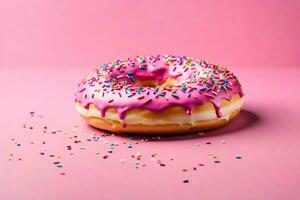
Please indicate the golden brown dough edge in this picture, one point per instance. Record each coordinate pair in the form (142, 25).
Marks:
(167, 129)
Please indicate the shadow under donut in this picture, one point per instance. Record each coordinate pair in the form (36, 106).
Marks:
(244, 120)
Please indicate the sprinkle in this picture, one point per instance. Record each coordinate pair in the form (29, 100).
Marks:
(132, 78)
(105, 157)
(143, 67)
(138, 154)
(110, 101)
(131, 95)
(62, 173)
(217, 161)
(175, 96)
(82, 90)
(238, 157)
(185, 181)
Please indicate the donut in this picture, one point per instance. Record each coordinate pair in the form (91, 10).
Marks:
(159, 95)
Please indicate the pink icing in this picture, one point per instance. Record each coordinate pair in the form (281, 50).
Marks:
(113, 85)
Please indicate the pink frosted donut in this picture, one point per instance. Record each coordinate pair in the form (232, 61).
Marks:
(159, 95)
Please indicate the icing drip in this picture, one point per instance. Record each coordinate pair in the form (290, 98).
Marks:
(195, 82)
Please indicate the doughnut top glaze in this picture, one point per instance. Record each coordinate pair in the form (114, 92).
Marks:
(196, 82)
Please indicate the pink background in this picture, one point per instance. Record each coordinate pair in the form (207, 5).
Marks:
(86, 33)
(46, 47)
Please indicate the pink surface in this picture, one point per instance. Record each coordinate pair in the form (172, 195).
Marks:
(266, 135)
(48, 46)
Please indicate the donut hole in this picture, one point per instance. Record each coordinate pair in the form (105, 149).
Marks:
(146, 83)
(154, 83)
